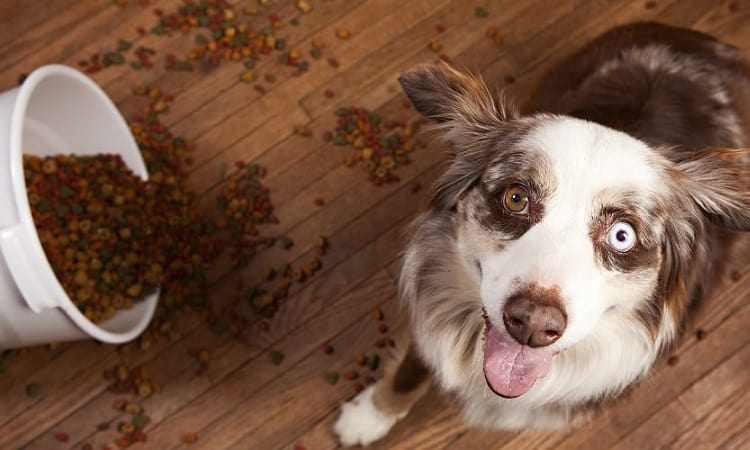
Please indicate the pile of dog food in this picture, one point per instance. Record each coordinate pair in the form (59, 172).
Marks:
(89, 212)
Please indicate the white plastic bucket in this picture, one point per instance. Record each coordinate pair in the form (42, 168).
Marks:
(56, 110)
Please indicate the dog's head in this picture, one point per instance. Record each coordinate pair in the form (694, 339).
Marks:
(573, 226)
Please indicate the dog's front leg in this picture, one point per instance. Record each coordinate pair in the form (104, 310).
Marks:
(370, 415)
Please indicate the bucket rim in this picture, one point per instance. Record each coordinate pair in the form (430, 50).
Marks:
(26, 226)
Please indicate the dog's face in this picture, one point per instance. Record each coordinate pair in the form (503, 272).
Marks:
(569, 224)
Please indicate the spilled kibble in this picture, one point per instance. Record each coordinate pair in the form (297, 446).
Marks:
(32, 390)
(189, 438)
(90, 221)
(276, 357)
(378, 147)
(331, 378)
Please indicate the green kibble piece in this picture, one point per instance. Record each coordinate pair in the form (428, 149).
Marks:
(118, 59)
(280, 44)
(276, 357)
(32, 390)
(249, 64)
(66, 191)
(201, 39)
(316, 53)
(331, 378)
(375, 119)
(158, 30)
(342, 111)
(124, 45)
(339, 140)
(219, 328)
(303, 66)
(285, 242)
(140, 421)
(294, 22)
(373, 362)
(481, 12)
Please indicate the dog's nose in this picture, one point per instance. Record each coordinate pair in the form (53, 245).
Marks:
(533, 323)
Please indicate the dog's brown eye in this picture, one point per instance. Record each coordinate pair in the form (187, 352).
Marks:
(516, 200)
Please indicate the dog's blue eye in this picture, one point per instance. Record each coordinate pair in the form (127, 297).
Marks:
(621, 237)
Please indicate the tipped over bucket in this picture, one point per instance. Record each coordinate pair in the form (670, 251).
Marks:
(57, 110)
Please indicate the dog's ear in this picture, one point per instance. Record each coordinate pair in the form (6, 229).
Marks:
(454, 98)
(718, 182)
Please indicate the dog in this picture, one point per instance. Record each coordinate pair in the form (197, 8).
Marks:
(564, 249)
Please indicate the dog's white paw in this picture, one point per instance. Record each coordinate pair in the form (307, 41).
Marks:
(361, 422)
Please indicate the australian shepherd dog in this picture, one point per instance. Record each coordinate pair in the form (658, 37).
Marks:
(564, 248)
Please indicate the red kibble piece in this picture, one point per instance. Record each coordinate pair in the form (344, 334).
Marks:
(734, 7)
(158, 12)
(318, 201)
(673, 360)
(350, 375)
(327, 348)
(388, 342)
(368, 380)
(382, 328)
(62, 436)
(141, 31)
(299, 447)
(440, 28)
(328, 93)
(358, 387)
(444, 57)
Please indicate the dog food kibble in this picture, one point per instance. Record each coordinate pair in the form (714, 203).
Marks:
(327, 348)
(382, 328)
(343, 33)
(189, 438)
(62, 436)
(373, 362)
(140, 421)
(377, 313)
(435, 46)
(481, 12)
(32, 390)
(360, 360)
(331, 378)
(350, 375)
(700, 334)
(276, 357)
(673, 360)
(358, 387)
(90, 221)
(102, 426)
(379, 147)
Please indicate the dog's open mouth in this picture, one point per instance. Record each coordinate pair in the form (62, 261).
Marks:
(511, 369)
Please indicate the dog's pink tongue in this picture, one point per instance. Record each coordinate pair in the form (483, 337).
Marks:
(511, 368)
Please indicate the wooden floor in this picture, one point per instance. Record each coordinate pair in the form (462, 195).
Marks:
(243, 400)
